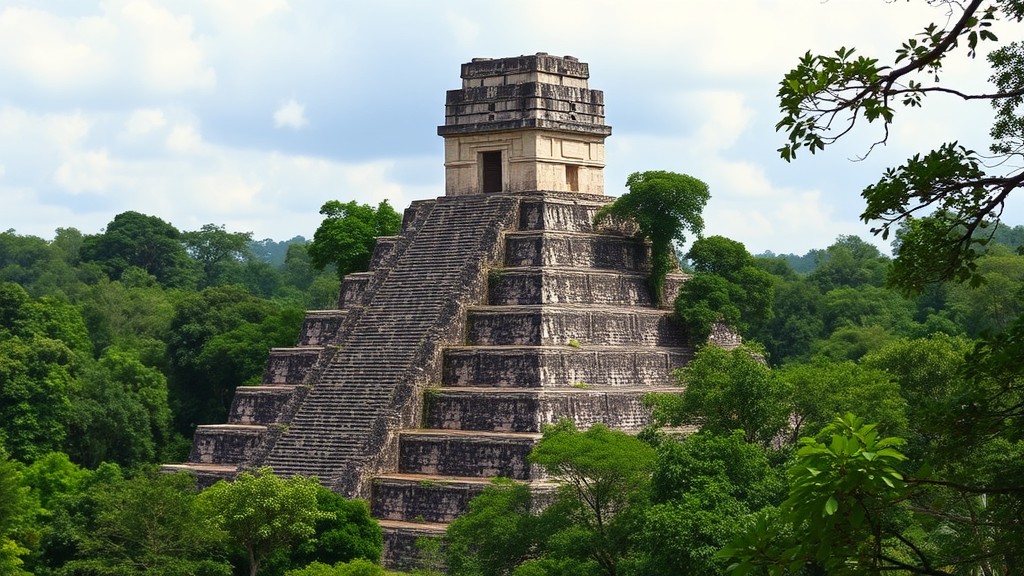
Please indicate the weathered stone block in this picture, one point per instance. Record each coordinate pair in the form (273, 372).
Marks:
(382, 251)
(566, 325)
(353, 288)
(495, 409)
(472, 455)
(400, 542)
(320, 327)
(422, 499)
(290, 365)
(564, 249)
(533, 367)
(224, 443)
(258, 404)
(552, 215)
(545, 286)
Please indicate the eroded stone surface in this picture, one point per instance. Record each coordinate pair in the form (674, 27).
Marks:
(290, 365)
(320, 327)
(224, 443)
(258, 404)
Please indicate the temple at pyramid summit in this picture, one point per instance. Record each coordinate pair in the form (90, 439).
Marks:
(499, 308)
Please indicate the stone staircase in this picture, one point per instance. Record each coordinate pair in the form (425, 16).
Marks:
(489, 317)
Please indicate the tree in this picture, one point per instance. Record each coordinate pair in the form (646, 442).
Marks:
(218, 251)
(843, 495)
(348, 234)
(665, 206)
(149, 524)
(603, 473)
(825, 96)
(849, 263)
(821, 389)
(119, 413)
(347, 532)
(18, 511)
(43, 347)
(727, 390)
(496, 534)
(219, 340)
(726, 287)
(147, 242)
(702, 489)
(263, 513)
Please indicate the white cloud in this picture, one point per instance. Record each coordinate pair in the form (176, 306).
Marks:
(130, 44)
(168, 58)
(290, 114)
(184, 139)
(87, 171)
(144, 121)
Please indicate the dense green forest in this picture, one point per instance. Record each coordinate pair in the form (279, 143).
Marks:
(114, 346)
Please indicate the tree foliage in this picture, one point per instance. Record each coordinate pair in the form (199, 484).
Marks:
(727, 390)
(149, 524)
(147, 242)
(726, 287)
(948, 199)
(346, 237)
(263, 513)
(665, 206)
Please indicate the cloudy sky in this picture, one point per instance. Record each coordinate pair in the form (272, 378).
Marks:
(252, 113)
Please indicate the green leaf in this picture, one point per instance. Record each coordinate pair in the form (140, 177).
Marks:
(831, 505)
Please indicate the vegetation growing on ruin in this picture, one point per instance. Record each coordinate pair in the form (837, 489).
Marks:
(665, 207)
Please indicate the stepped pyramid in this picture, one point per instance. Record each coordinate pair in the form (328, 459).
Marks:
(499, 308)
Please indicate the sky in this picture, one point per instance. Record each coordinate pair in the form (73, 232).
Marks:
(252, 113)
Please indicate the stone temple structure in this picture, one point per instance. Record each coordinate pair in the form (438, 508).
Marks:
(499, 308)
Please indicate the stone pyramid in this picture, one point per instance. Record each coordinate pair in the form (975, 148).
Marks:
(489, 316)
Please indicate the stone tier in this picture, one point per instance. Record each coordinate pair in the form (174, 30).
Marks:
(321, 327)
(206, 474)
(353, 289)
(517, 410)
(259, 404)
(224, 444)
(568, 325)
(576, 249)
(400, 550)
(564, 366)
(560, 213)
(290, 365)
(434, 499)
(536, 285)
(468, 454)
(383, 251)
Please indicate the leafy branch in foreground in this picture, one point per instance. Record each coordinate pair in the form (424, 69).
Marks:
(947, 202)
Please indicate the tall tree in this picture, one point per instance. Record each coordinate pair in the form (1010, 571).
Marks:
(18, 511)
(726, 287)
(146, 242)
(219, 340)
(263, 513)
(665, 206)
(220, 253)
(149, 524)
(727, 390)
(346, 237)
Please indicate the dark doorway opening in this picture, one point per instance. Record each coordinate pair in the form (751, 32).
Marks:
(491, 171)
